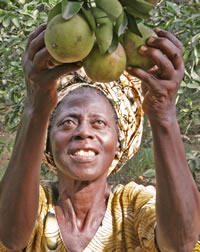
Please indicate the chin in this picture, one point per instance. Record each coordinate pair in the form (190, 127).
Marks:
(86, 174)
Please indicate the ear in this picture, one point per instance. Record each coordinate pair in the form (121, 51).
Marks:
(117, 149)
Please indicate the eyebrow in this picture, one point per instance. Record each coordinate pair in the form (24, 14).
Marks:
(78, 115)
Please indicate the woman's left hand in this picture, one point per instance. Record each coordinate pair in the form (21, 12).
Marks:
(160, 84)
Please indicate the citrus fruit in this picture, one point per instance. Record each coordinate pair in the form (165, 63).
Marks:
(69, 40)
(105, 67)
(131, 44)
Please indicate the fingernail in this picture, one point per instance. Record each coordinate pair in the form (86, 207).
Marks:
(50, 65)
(151, 40)
(157, 29)
(129, 68)
(143, 48)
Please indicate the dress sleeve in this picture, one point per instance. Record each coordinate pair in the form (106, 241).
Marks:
(143, 201)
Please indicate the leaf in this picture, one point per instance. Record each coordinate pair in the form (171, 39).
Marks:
(132, 25)
(173, 7)
(16, 22)
(35, 14)
(136, 13)
(193, 86)
(195, 38)
(112, 7)
(6, 22)
(114, 44)
(69, 9)
(121, 24)
(90, 18)
(101, 17)
(1, 18)
(149, 173)
(195, 76)
(57, 9)
(143, 6)
(104, 36)
(196, 56)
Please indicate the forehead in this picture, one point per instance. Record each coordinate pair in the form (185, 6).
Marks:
(87, 99)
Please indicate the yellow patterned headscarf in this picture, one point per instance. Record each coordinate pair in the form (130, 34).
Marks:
(126, 98)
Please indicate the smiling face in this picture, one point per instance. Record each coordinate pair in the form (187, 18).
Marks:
(84, 139)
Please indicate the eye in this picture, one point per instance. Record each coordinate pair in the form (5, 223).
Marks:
(99, 124)
(69, 123)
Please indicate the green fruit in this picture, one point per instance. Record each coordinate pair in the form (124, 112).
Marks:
(107, 67)
(131, 44)
(69, 40)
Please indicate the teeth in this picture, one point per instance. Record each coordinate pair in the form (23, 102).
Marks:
(84, 153)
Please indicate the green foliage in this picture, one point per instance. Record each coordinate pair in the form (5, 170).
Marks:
(5, 146)
(193, 158)
(17, 20)
(183, 20)
(20, 17)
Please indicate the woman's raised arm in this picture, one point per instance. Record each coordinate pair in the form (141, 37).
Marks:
(178, 199)
(19, 188)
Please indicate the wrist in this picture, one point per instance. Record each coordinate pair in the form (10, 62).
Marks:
(36, 115)
(35, 111)
(164, 119)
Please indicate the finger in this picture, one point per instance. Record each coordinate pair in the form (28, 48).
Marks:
(165, 66)
(151, 83)
(35, 33)
(42, 59)
(36, 44)
(154, 70)
(170, 36)
(168, 48)
(63, 69)
(147, 78)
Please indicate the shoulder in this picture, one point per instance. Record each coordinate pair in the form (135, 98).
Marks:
(134, 192)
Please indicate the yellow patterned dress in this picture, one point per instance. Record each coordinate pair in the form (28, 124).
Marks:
(128, 224)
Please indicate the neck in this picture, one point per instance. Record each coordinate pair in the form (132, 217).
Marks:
(81, 201)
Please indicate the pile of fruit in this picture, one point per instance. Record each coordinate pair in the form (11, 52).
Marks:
(104, 34)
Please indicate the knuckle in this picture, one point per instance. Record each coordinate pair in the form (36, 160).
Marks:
(155, 53)
(162, 41)
(180, 45)
(147, 78)
(31, 36)
(32, 44)
(163, 33)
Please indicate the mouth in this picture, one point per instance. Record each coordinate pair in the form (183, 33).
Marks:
(84, 155)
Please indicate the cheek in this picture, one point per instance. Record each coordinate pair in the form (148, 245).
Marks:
(111, 144)
(58, 142)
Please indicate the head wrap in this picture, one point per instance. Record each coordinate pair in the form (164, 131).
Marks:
(126, 98)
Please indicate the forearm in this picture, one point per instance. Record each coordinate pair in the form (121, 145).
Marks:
(178, 204)
(19, 188)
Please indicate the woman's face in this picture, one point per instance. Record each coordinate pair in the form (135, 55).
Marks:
(84, 139)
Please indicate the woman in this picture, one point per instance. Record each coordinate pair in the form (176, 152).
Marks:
(81, 212)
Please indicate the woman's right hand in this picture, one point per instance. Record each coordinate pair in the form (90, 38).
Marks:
(41, 75)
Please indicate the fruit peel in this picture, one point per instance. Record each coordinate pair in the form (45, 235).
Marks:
(107, 67)
(132, 43)
(69, 40)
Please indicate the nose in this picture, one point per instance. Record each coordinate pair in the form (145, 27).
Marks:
(83, 131)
